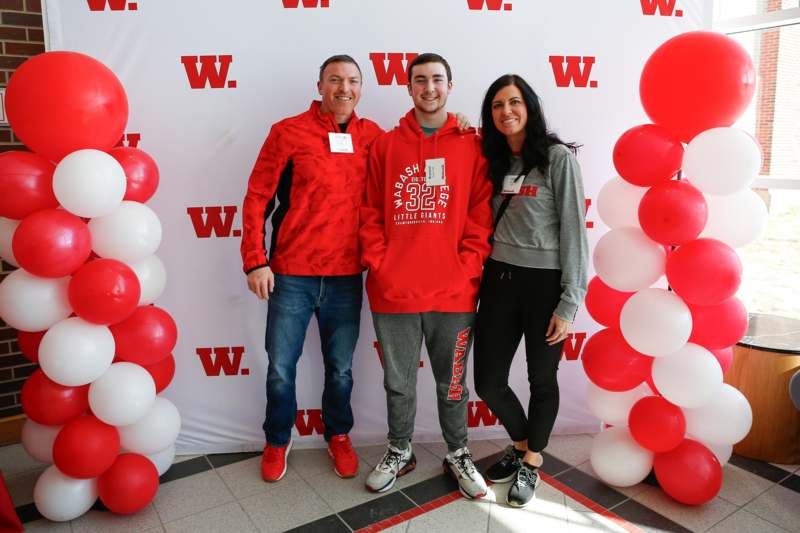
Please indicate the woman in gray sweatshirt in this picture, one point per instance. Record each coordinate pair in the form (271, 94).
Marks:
(535, 278)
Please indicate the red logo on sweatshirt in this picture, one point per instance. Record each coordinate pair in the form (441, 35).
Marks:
(309, 421)
(478, 414)
(415, 202)
(665, 8)
(216, 219)
(395, 70)
(114, 5)
(491, 5)
(293, 4)
(212, 71)
(573, 346)
(222, 359)
(576, 71)
(459, 358)
(131, 140)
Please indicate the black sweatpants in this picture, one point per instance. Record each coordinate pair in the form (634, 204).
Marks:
(517, 301)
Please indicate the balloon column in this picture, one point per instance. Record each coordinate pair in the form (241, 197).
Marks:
(75, 222)
(656, 370)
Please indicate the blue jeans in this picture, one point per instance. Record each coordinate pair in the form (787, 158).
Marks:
(336, 302)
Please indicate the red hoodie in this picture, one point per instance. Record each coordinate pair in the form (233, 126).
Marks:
(425, 246)
(315, 227)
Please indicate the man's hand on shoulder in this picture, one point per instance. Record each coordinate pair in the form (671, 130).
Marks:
(261, 281)
(463, 122)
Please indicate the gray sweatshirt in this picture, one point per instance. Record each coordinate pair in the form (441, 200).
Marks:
(544, 226)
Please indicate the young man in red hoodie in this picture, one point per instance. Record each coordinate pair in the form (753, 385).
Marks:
(314, 164)
(424, 234)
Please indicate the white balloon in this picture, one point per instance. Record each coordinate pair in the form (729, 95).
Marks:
(154, 431)
(618, 459)
(723, 452)
(627, 260)
(37, 440)
(152, 278)
(75, 352)
(618, 203)
(655, 322)
(725, 420)
(722, 160)
(690, 377)
(736, 219)
(61, 498)
(129, 234)
(613, 407)
(123, 395)
(31, 303)
(163, 459)
(7, 229)
(89, 183)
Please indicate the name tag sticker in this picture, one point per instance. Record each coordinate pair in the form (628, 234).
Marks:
(512, 183)
(341, 143)
(434, 172)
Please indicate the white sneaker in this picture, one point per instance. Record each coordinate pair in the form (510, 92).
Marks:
(460, 466)
(395, 463)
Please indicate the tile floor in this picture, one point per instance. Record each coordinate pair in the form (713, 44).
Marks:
(224, 493)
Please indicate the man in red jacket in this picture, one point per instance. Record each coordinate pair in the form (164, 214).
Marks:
(314, 164)
(424, 236)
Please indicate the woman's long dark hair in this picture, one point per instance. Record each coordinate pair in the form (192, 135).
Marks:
(537, 138)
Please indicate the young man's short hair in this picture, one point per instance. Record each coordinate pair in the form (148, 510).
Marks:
(338, 58)
(429, 58)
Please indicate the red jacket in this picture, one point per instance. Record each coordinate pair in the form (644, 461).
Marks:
(425, 246)
(315, 227)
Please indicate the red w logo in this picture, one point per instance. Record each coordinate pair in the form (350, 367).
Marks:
(478, 414)
(225, 359)
(396, 69)
(576, 72)
(115, 5)
(572, 347)
(292, 4)
(213, 221)
(589, 224)
(309, 421)
(377, 346)
(666, 8)
(492, 5)
(209, 72)
(132, 140)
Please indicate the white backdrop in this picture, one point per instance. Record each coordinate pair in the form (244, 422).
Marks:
(205, 141)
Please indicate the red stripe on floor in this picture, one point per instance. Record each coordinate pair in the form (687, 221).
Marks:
(412, 513)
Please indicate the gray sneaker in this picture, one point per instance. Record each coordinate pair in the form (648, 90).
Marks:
(523, 490)
(394, 464)
(461, 468)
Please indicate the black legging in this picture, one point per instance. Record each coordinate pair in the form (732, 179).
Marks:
(515, 301)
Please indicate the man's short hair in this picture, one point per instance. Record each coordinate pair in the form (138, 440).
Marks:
(338, 58)
(429, 58)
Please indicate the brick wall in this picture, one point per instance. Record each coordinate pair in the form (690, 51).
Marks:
(21, 36)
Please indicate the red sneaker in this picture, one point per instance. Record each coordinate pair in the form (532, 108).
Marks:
(345, 460)
(273, 462)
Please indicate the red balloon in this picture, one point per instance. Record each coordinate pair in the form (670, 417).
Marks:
(85, 447)
(148, 336)
(647, 154)
(51, 243)
(656, 424)
(673, 212)
(129, 485)
(26, 184)
(604, 303)
(720, 325)
(690, 473)
(48, 403)
(104, 291)
(612, 364)
(696, 81)
(60, 102)
(29, 343)
(724, 356)
(704, 271)
(140, 170)
(163, 371)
